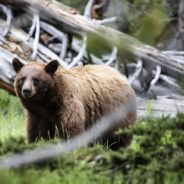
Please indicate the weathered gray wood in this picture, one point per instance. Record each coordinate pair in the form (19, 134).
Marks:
(160, 107)
(70, 21)
(154, 108)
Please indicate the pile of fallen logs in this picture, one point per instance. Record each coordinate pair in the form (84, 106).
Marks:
(42, 30)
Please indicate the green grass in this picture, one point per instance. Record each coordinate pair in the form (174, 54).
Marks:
(12, 116)
(155, 156)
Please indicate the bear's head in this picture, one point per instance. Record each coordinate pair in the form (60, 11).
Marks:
(34, 80)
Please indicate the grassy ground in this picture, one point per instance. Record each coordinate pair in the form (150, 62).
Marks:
(12, 118)
(155, 156)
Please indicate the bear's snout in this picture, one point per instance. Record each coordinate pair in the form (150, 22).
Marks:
(28, 89)
(26, 93)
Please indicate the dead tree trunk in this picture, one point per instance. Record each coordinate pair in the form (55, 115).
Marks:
(71, 22)
(51, 16)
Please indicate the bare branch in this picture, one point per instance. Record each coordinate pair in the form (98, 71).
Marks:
(171, 81)
(9, 16)
(96, 60)
(88, 9)
(52, 30)
(33, 27)
(64, 46)
(37, 36)
(138, 70)
(51, 54)
(21, 36)
(80, 54)
(113, 56)
(157, 75)
(107, 20)
(77, 24)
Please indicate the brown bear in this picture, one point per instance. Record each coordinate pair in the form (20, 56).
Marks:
(69, 101)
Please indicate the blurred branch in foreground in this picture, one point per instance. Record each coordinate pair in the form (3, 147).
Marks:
(52, 150)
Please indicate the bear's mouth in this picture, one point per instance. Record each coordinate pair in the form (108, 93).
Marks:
(27, 94)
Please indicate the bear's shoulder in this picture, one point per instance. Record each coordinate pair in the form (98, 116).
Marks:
(90, 71)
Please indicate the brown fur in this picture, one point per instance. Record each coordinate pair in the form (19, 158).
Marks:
(74, 100)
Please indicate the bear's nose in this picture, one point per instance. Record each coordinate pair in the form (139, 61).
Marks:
(26, 92)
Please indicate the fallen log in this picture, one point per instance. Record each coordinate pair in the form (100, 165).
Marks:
(164, 106)
(20, 44)
(71, 22)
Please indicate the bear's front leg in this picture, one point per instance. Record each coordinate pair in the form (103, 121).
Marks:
(39, 128)
(32, 128)
(72, 119)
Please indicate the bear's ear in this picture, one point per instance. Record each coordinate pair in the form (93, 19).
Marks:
(52, 67)
(17, 65)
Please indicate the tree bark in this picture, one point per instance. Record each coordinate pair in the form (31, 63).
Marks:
(160, 107)
(71, 22)
(68, 20)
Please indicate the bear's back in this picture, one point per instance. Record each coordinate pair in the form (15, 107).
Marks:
(101, 89)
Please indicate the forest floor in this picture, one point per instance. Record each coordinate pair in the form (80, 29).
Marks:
(155, 156)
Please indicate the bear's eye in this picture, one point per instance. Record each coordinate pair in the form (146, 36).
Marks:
(36, 80)
(22, 80)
